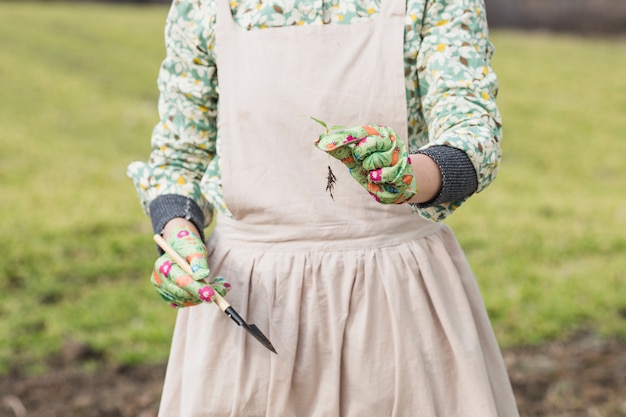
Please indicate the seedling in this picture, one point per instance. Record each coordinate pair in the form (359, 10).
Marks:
(326, 126)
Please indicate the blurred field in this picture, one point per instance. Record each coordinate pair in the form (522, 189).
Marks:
(78, 88)
(78, 103)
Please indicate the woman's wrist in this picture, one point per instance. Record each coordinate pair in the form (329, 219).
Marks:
(168, 207)
(427, 177)
(455, 181)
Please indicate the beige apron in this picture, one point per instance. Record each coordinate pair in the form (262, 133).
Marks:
(373, 310)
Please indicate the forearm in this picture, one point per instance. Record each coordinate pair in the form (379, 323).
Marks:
(458, 87)
(184, 140)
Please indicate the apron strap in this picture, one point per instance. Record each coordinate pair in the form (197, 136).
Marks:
(390, 8)
(224, 16)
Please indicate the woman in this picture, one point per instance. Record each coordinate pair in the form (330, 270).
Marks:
(369, 302)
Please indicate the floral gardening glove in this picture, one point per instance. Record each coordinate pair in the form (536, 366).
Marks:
(376, 158)
(174, 285)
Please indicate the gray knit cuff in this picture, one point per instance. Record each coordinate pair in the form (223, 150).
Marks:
(169, 206)
(457, 172)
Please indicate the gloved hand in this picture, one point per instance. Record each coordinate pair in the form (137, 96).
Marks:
(376, 158)
(174, 285)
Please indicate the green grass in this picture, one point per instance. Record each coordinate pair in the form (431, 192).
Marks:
(548, 240)
(78, 86)
(78, 102)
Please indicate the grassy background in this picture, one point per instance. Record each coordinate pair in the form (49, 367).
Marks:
(78, 103)
(547, 241)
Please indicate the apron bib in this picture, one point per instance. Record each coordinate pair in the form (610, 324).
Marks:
(271, 82)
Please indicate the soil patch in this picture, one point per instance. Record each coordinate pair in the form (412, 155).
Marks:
(585, 376)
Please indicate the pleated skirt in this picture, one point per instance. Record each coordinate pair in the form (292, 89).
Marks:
(371, 327)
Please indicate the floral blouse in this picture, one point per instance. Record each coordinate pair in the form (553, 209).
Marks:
(450, 88)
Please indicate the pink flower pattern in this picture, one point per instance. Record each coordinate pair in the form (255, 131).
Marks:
(206, 294)
(376, 175)
(165, 268)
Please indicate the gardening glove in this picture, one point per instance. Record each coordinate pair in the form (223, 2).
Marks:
(377, 159)
(174, 285)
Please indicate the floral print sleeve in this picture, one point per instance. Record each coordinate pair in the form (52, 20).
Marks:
(183, 141)
(456, 88)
